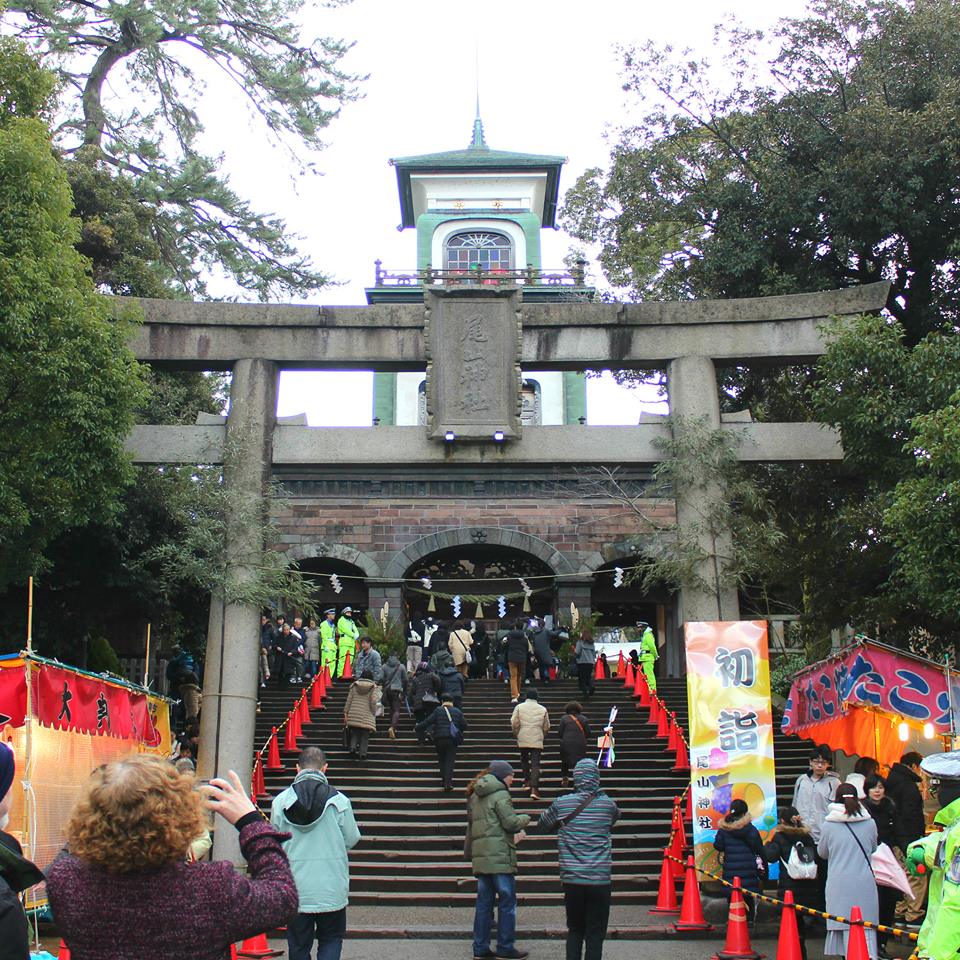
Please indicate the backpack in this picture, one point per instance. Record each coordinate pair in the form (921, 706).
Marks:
(801, 864)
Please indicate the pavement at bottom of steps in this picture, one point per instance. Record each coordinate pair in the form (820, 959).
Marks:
(409, 949)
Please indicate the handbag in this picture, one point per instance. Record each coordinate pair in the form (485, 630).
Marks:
(456, 734)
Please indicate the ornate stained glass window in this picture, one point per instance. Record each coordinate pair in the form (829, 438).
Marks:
(478, 249)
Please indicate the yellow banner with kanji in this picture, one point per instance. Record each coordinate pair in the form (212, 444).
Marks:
(731, 728)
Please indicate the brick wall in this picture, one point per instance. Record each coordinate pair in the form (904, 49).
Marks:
(381, 527)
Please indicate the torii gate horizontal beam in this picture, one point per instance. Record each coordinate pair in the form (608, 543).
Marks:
(371, 446)
(213, 335)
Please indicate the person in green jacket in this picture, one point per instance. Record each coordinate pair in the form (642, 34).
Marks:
(648, 654)
(328, 641)
(349, 634)
(322, 827)
(495, 829)
(939, 935)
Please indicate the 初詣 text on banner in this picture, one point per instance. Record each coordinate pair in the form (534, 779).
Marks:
(731, 728)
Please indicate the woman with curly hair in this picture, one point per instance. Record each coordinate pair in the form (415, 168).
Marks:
(123, 875)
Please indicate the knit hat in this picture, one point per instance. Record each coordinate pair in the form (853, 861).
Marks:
(501, 769)
(7, 768)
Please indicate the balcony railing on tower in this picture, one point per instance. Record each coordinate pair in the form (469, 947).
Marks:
(480, 276)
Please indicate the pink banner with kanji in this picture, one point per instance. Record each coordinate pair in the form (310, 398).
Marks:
(731, 728)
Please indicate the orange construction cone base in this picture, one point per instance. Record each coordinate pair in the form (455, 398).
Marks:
(667, 892)
(64, 952)
(737, 945)
(788, 945)
(257, 947)
(691, 909)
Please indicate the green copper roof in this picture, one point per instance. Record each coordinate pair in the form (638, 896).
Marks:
(478, 156)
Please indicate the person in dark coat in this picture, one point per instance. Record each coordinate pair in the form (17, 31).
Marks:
(480, 667)
(884, 814)
(517, 648)
(395, 684)
(574, 731)
(424, 693)
(452, 684)
(542, 640)
(439, 724)
(740, 843)
(789, 832)
(909, 825)
(16, 873)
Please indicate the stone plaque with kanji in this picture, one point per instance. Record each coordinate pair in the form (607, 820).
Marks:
(473, 363)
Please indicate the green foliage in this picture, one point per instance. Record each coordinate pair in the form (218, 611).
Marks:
(897, 409)
(831, 172)
(196, 554)
(783, 668)
(387, 634)
(728, 542)
(102, 658)
(823, 155)
(133, 84)
(68, 383)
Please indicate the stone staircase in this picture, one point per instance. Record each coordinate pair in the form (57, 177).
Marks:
(412, 847)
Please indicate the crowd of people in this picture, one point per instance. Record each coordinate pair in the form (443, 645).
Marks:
(837, 839)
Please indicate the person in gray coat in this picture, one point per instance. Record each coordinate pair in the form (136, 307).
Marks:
(586, 656)
(848, 836)
(368, 659)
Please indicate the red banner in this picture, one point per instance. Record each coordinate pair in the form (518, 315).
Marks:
(13, 696)
(70, 701)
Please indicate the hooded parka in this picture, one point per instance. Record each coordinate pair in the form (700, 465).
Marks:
(323, 828)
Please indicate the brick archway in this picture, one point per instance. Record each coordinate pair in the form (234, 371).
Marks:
(335, 551)
(467, 536)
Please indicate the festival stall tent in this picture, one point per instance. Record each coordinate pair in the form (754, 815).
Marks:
(872, 700)
(62, 723)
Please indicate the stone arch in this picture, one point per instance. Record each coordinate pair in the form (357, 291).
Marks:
(463, 536)
(335, 551)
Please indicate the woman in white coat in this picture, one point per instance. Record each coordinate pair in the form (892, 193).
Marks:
(848, 837)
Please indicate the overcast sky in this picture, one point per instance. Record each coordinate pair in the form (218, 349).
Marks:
(549, 83)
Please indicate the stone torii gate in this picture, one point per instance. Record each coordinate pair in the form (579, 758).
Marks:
(473, 340)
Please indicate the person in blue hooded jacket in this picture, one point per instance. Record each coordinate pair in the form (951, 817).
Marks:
(584, 819)
(740, 843)
(322, 827)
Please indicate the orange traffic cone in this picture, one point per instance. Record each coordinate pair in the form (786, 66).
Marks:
(258, 788)
(788, 946)
(678, 822)
(737, 945)
(672, 738)
(857, 940)
(273, 752)
(677, 843)
(620, 667)
(598, 670)
(683, 761)
(294, 716)
(638, 686)
(654, 717)
(317, 691)
(290, 737)
(64, 952)
(233, 951)
(304, 708)
(628, 674)
(691, 909)
(663, 722)
(347, 669)
(257, 947)
(667, 891)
